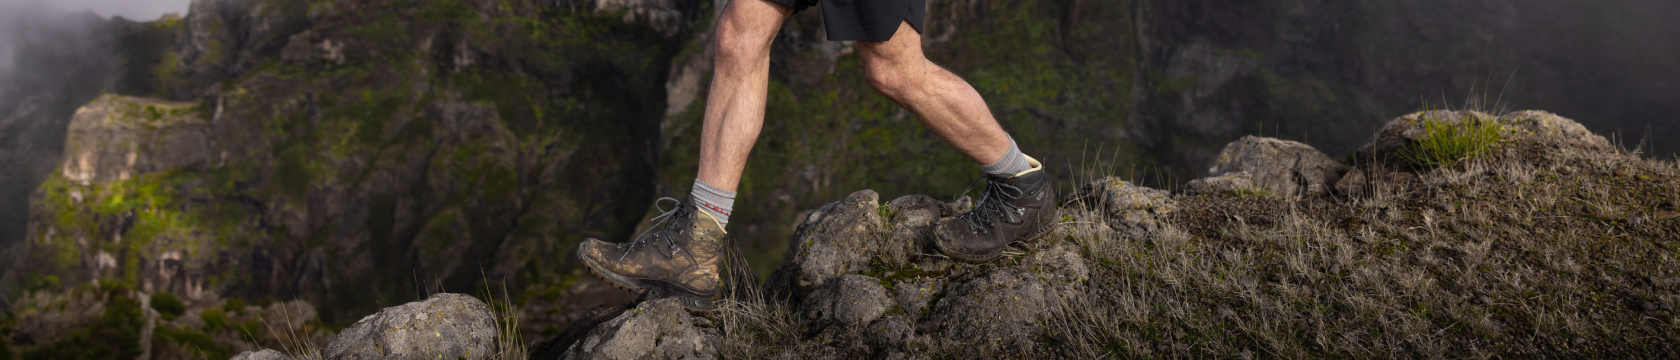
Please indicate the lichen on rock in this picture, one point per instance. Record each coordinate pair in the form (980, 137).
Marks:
(444, 326)
(653, 329)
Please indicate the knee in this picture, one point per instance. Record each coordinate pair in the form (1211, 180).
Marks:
(884, 77)
(738, 44)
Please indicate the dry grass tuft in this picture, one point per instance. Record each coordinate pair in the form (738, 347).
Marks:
(1501, 256)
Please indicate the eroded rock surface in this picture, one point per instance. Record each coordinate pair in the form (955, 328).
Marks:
(657, 329)
(446, 326)
(837, 239)
(1282, 167)
(1128, 208)
(849, 300)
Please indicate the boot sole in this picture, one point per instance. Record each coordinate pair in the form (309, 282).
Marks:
(1036, 233)
(662, 289)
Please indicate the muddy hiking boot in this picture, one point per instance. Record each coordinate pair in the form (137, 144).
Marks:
(1019, 208)
(679, 260)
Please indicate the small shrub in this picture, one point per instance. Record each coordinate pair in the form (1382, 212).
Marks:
(233, 305)
(167, 304)
(214, 319)
(198, 342)
(1447, 144)
(115, 335)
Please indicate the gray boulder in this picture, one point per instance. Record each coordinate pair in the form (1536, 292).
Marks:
(1282, 167)
(1004, 308)
(1230, 183)
(1129, 208)
(658, 328)
(852, 300)
(265, 354)
(449, 326)
(837, 239)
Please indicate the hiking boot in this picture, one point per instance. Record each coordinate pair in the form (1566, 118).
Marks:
(1017, 208)
(679, 260)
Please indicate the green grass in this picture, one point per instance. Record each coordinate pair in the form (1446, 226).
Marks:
(1447, 144)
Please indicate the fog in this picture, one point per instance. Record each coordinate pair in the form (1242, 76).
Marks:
(137, 10)
(51, 62)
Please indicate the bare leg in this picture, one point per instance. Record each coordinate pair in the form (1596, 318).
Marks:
(740, 83)
(946, 104)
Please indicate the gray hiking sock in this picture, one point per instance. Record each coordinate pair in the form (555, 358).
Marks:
(713, 201)
(1012, 163)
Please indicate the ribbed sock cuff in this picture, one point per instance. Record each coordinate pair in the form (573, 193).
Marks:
(1012, 162)
(713, 201)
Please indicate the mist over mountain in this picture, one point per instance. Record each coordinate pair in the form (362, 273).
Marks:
(358, 153)
(51, 62)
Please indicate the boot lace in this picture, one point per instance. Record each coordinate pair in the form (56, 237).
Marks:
(665, 224)
(994, 202)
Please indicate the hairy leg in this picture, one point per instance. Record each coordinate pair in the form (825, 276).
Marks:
(740, 82)
(946, 104)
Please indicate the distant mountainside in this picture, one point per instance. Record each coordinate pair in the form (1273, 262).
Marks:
(359, 154)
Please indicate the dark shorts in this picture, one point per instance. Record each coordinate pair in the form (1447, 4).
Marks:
(865, 20)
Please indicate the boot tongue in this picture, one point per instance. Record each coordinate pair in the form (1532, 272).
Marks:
(1028, 182)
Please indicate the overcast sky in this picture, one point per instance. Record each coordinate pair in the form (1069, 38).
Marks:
(138, 10)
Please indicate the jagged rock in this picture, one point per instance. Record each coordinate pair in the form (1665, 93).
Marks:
(891, 331)
(117, 137)
(265, 354)
(445, 326)
(1285, 168)
(663, 16)
(654, 329)
(913, 295)
(834, 240)
(1129, 208)
(911, 218)
(1224, 184)
(1002, 308)
(852, 300)
(223, 38)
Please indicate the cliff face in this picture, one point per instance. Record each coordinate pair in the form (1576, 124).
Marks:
(360, 153)
(354, 154)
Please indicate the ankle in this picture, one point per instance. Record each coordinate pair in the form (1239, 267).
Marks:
(715, 202)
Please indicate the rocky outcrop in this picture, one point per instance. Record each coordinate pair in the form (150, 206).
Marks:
(1129, 208)
(837, 239)
(1282, 167)
(1540, 131)
(119, 137)
(265, 354)
(446, 326)
(862, 275)
(659, 329)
